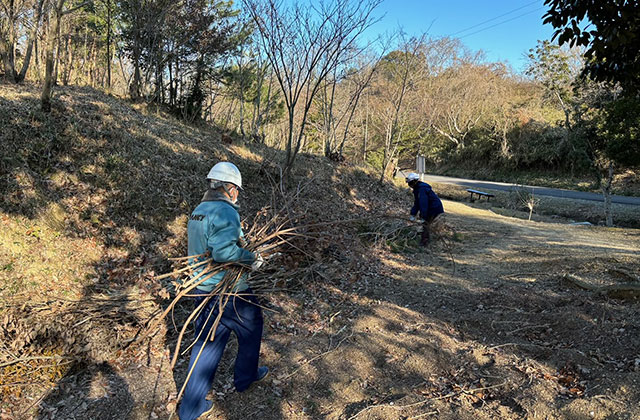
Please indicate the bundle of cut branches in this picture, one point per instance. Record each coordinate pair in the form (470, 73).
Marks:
(269, 235)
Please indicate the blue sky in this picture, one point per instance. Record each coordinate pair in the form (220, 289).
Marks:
(494, 26)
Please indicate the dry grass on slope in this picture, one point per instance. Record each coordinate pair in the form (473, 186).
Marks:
(95, 197)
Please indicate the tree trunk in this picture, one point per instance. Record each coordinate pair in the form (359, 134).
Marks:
(71, 68)
(255, 119)
(52, 36)
(8, 46)
(134, 89)
(158, 96)
(32, 39)
(386, 153)
(172, 98)
(68, 61)
(6, 60)
(108, 44)
(240, 69)
(606, 191)
(346, 128)
(178, 78)
(38, 54)
(59, 58)
(329, 130)
(260, 117)
(366, 133)
(85, 50)
(289, 159)
(93, 72)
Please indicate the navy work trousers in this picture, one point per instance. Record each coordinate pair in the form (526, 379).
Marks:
(243, 316)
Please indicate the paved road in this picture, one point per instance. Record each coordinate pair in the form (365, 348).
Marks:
(551, 192)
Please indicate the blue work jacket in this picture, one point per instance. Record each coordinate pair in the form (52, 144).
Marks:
(425, 201)
(214, 226)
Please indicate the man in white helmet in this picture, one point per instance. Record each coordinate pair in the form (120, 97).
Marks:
(214, 226)
(426, 202)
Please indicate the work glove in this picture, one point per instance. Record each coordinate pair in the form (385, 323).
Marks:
(412, 218)
(259, 261)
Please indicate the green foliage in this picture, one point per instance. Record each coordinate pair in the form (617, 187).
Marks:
(242, 81)
(391, 65)
(536, 144)
(375, 158)
(549, 64)
(619, 130)
(186, 38)
(612, 36)
(248, 83)
(102, 18)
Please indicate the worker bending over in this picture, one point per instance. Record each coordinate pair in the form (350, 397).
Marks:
(426, 203)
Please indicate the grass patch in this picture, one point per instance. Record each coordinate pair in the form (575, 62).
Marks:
(36, 261)
(406, 241)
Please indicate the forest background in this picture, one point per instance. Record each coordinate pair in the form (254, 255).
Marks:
(303, 78)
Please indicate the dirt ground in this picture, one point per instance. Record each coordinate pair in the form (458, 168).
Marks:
(489, 330)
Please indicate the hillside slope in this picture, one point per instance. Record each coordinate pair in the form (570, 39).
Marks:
(480, 326)
(95, 198)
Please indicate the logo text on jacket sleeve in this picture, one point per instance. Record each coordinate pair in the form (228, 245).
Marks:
(197, 217)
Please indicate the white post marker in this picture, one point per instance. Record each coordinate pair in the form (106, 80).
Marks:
(420, 166)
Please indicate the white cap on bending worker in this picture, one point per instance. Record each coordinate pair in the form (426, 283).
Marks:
(412, 177)
(221, 175)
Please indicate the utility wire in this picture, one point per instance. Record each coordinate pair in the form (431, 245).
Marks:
(494, 18)
(500, 23)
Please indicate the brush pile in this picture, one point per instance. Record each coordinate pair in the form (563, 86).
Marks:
(40, 340)
(268, 239)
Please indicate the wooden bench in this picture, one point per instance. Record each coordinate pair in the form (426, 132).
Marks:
(480, 194)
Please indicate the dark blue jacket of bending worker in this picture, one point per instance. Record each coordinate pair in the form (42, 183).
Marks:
(425, 201)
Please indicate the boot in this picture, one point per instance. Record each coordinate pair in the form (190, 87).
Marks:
(425, 237)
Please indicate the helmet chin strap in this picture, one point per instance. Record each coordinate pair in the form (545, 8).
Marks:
(217, 184)
(226, 189)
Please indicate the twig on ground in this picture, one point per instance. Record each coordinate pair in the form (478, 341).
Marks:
(528, 327)
(28, 359)
(430, 413)
(606, 397)
(626, 291)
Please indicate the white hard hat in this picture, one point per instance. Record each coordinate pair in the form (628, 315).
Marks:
(413, 177)
(226, 172)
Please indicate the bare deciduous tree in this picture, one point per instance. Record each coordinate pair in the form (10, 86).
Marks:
(13, 16)
(401, 71)
(304, 45)
(339, 100)
(465, 94)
